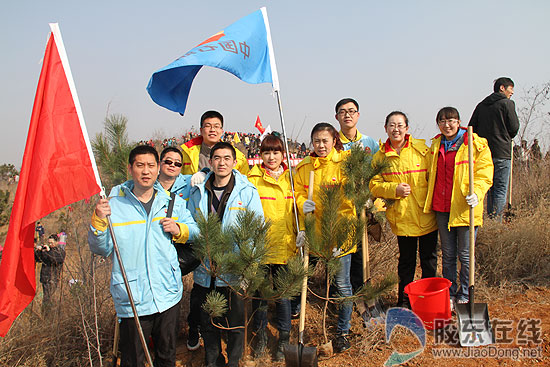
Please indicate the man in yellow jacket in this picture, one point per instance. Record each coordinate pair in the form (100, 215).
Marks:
(196, 152)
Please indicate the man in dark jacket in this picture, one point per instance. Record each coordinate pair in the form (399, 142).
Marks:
(496, 120)
(52, 257)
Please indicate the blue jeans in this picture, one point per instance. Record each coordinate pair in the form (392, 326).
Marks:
(282, 308)
(496, 196)
(342, 282)
(455, 242)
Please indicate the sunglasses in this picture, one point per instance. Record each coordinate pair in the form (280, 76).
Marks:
(169, 162)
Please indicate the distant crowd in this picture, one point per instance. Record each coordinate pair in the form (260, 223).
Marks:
(247, 143)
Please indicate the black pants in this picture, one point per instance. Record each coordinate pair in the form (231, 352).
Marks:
(162, 327)
(194, 317)
(356, 269)
(406, 266)
(211, 335)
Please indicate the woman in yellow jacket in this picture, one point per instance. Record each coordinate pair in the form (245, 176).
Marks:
(325, 162)
(272, 180)
(405, 180)
(448, 194)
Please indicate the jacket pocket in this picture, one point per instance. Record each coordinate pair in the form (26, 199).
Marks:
(118, 289)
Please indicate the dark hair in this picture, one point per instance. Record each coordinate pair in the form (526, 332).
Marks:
(325, 126)
(272, 143)
(502, 81)
(345, 101)
(142, 149)
(396, 113)
(223, 145)
(211, 114)
(170, 149)
(447, 113)
(54, 237)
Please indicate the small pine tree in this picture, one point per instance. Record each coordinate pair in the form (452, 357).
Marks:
(238, 252)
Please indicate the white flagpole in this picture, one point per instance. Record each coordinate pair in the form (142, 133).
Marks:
(65, 62)
(275, 84)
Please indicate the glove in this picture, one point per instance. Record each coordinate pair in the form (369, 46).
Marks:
(472, 200)
(300, 239)
(197, 178)
(336, 252)
(309, 206)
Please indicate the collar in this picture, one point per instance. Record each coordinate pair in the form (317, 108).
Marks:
(388, 148)
(345, 140)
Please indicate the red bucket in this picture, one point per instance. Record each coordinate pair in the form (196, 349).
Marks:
(430, 300)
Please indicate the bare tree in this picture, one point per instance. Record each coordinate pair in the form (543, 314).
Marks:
(532, 114)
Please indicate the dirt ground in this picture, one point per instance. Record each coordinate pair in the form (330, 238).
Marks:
(369, 348)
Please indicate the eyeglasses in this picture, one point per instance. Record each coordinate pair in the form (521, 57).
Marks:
(447, 122)
(398, 127)
(169, 163)
(211, 127)
(343, 112)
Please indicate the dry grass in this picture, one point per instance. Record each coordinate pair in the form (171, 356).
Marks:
(518, 252)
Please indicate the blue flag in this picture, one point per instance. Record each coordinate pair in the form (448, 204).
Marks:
(243, 49)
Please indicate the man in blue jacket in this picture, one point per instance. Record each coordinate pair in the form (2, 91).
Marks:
(225, 192)
(144, 235)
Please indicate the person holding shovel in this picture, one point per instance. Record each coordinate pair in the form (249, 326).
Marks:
(448, 194)
(272, 179)
(405, 180)
(326, 161)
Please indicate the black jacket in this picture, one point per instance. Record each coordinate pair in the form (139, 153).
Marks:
(52, 263)
(495, 119)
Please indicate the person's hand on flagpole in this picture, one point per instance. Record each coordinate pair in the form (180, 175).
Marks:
(169, 225)
(103, 209)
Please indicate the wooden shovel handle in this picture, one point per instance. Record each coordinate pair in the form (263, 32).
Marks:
(303, 296)
(472, 216)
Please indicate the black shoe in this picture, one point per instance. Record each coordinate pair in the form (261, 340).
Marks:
(193, 340)
(284, 337)
(261, 343)
(341, 344)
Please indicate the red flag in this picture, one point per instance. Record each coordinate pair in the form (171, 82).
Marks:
(259, 125)
(57, 170)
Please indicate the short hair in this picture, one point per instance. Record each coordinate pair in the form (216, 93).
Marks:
(345, 101)
(272, 143)
(142, 149)
(211, 114)
(170, 149)
(396, 113)
(223, 145)
(447, 113)
(325, 126)
(502, 81)
(54, 237)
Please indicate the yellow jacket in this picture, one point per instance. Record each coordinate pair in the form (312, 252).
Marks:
(327, 171)
(459, 215)
(406, 215)
(191, 151)
(276, 197)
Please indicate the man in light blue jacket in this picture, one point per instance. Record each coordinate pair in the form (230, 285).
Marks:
(225, 192)
(144, 234)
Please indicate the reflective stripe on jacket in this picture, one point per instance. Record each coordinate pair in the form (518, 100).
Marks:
(244, 196)
(406, 215)
(191, 151)
(147, 252)
(327, 172)
(483, 180)
(276, 197)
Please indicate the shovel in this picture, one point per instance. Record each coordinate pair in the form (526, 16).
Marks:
(300, 355)
(371, 313)
(474, 326)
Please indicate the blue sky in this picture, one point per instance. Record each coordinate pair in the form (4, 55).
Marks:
(413, 56)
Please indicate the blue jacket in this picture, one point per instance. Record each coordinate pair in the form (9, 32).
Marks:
(147, 252)
(366, 142)
(182, 186)
(244, 196)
